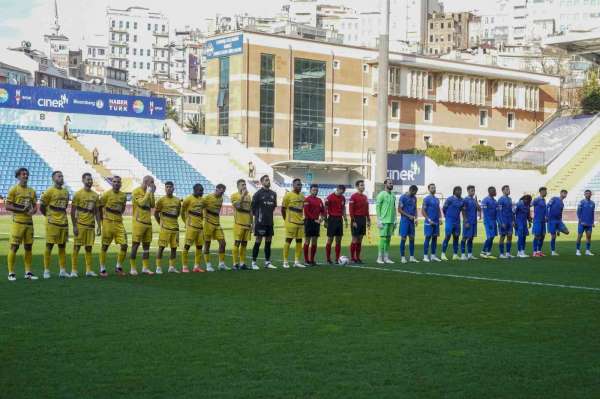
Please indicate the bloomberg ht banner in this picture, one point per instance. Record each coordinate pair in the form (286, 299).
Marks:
(80, 102)
(406, 169)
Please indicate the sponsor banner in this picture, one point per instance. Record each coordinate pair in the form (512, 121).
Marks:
(224, 46)
(406, 169)
(80, 102)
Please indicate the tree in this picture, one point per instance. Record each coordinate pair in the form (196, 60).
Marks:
(195, 125)
(590, 94)
(172, 113)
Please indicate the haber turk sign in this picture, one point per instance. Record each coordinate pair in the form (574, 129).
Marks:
(80, 102)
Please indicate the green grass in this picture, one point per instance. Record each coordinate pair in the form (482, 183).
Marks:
(325, 332)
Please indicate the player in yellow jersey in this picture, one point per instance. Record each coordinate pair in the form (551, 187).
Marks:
(142, 200)
(292, 210)
(21, 201)
(242, 227)
(166, 214)
(112, 207)
(212, 204)
(53, 205)
(86, 224)
(191, 214)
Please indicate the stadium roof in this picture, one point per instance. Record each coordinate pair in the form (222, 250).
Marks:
(583, 43)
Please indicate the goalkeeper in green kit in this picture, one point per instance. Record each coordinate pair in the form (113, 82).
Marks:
(386, 220)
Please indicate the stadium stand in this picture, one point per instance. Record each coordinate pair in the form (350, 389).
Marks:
(60, 156)
(324, 189)
(15, 152)
(551, 139)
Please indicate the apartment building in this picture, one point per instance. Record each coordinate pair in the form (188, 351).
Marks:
(447, 32)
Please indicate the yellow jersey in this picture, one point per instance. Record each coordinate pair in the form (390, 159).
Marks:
(294, 204)
(113, 205)
(142, 202)
(243, 214)
(86, 203)
(212, 208)
(169, 209)
(56, 200)
(191, 211)
(22, 198)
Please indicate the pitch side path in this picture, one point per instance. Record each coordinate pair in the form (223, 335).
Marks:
(493, 329)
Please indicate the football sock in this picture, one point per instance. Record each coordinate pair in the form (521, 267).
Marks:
(286, 251)
(358, 249)
(455, 245)
(313, 252)
(470, 246)
(47, 255)
(298, 252)
(268, 250)
(206, 258)
(145, 263)
(402, 246)
(434, 245)
(508, 246)
(328, 251)
(501, 245)
(388, 241)
(445, 244)
(221, 257)
(338, 250)
(172, 262)
(75, 260)
(185, 257)
(235, 254)
(353, 251)
(121, 257)
(463, 246)
(553, 244)
(577, 245)
(158, 262)
(198, 256)
(28, 258)
(11, 261)
(62, 258)
(306, 255)
(541, 244)
(411, 247)
(243, 253)
(381, 246)
(588, 245)
(426, 245)
(255, 250)
(88, 261)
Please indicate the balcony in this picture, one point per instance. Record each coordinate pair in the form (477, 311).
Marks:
(120, 43)
(160, 34)
(118, 30)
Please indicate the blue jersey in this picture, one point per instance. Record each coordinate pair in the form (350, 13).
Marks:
(470, 207)
(489, 207)
(585, 212)
(505, 210)
(408, 204)
(521, 213)
(555, 209)
(432, 207)
(452, 208)
(539, 210)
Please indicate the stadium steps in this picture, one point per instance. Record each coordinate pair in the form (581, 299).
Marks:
(575, 170)
(88, 158)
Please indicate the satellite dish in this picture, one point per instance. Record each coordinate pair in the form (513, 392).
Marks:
(25, 44)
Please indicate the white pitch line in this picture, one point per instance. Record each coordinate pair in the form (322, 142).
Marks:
(478, 278)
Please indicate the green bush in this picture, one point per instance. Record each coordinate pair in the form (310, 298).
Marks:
(440, 154)
(481, 151)
(590, 95)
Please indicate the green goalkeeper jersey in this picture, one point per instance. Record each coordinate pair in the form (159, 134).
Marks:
(386, 207)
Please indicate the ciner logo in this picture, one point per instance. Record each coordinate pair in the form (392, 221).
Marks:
(3, 96)
(53, 103)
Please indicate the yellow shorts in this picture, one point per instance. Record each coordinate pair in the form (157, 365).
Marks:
(56, 234)
(168, 238)
(85, 237)
(113, 231)
(21, 234)
(141, 233)
(242, 233)
(213, 232)
(294, 231)
(194, 237)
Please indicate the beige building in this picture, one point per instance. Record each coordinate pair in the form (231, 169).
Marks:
(299, 100)
(448, 31)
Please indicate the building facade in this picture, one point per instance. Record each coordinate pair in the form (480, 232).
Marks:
(447, 32)
(294, 99)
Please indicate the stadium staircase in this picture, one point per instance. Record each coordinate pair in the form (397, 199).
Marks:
(87, 157)
(15, 152)
(576, 169)
(60, 156)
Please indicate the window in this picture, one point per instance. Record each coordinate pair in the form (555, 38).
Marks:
(267, 100)
(148, 52)
(365, 133)
(431, 38)
(483, 141)
(134, 65)
(155, 27)
(427, 139)
(121, 24)
(223, 96)
(428, 113)
(113, 36)
(163, 28)
(113, 23)
(365, 68)
(127, 24)
(309, 109)
(395, 109)
(148, 66)
(336, 98)
(336, 64)
(429, 82)
(510, 120)
(449, 38)
(510, 145)
(394, 136)
(134, 51)
(135, 25)
(100, 51)
(365, 101)
(442, 25)
(336, 132)
(135, 38)
(149, 27)
(483, 118)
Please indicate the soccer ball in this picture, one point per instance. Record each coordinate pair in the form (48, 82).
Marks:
(343, 260)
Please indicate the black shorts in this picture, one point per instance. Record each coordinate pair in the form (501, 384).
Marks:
(312, 228)
(335, 226)
(263, 230)
(361, 226)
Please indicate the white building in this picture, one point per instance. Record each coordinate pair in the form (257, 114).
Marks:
(138, 41)
(96, 51)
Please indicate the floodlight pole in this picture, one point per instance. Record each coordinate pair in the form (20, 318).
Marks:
(382, 101)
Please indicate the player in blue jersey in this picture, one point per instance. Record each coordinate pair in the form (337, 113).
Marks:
(452, 208)
(522, 224)
(470, 211)
(585, 215)
(431, 226)
(489, 208)
(555, 219)
(407, 207)
(506, 221)
(540, 218)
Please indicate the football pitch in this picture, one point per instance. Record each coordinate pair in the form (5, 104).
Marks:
(478, 329)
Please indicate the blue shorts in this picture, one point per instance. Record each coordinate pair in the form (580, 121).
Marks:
(538, 229)
(491, 229)
(581, 229)
(452, 227)
(521, 229)
(471, 231)
(431, 230)
(555, 226)
(407, 228)
(507, 230)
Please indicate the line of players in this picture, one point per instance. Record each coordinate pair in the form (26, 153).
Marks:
(93, 215)
(500, 217)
